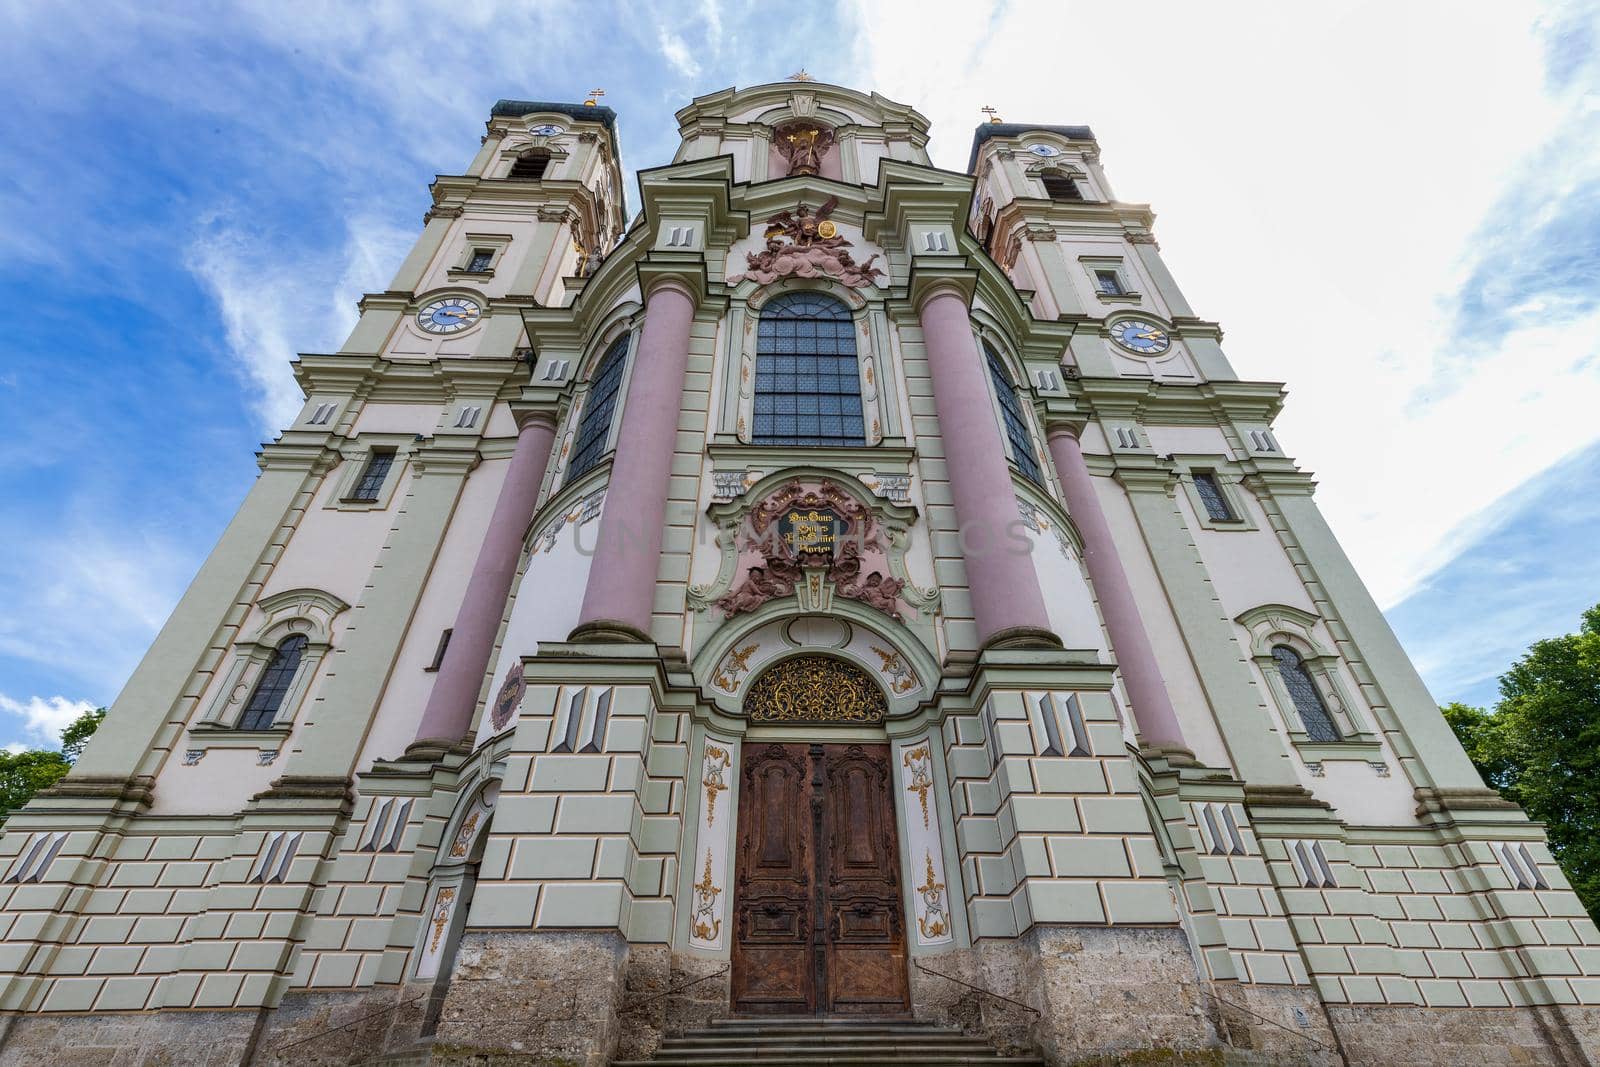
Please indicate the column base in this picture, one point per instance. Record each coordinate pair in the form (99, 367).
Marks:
(1022, 637)
(608, 632)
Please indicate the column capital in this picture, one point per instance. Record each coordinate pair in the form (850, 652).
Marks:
(688, 278)
(930, 280)
(533, 414)
(1064, 426)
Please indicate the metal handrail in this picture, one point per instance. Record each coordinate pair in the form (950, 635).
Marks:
(976, 989)
(676, 989)
(346, 1025)
(1273, 1022)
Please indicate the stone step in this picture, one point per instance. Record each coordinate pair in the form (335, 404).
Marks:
(828, 1041)
(811, 1058)
(757, 1049)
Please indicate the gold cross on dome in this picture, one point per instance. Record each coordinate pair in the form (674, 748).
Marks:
(594, 97)
(801, 75)
(994, 116)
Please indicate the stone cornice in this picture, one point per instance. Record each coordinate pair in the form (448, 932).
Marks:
(437, 380)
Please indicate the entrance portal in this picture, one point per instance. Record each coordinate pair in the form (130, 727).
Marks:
(817, 908)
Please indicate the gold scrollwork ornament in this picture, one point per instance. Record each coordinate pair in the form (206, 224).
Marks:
(815, 689)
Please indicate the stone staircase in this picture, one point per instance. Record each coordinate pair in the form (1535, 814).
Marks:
(825, 1042)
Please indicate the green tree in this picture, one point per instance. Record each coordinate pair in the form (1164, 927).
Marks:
(22, 774)
(1541, 746)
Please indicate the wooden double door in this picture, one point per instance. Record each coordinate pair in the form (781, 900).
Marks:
(818, 917)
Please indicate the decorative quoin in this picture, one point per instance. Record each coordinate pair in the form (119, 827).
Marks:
(815, 689)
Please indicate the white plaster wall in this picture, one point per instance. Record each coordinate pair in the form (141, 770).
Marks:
(400, 708)
(331, 549)
(1190, 440)
(397, 418)
(453, 253)
(548, 596)
(1073, 614)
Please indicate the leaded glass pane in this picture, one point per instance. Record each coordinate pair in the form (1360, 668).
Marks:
(808, 382)
(598, 407)
(273, 685)
(373, 476)
(1016, 426)
(1211, 496)
(1303, 691)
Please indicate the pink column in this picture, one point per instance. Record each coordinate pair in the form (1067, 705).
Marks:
(1006, 600)
(622, 574)
(1152, 707)
(455, 690)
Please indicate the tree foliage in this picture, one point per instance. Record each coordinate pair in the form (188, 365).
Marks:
(22, 774)
(1540, 746)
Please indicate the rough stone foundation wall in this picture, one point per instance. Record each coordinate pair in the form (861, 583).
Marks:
(1102, 993)
(191, 1038)
(555, 995)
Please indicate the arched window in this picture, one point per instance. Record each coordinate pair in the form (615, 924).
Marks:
(808, 383)
(1059, 186)
(1016, 426)
(530, 166)
(1303, 691)
(598, 407)
(274, 684)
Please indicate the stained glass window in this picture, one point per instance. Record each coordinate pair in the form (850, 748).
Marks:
(1016, 426)
(1108, 283)
(1303, 691)
(481, 258)
(808, 382)
(598, 407)
(373, 476)
(1217, 506)
(273, 685)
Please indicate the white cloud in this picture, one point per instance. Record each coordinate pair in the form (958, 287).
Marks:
(1322, 178)
(274, 306)
(43, 718)
(676, 52)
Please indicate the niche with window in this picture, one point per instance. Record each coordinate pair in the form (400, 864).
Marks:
(1304, 679)
(266, 681)
(593, 438)
(1060, 185)
(1019, 439)
(530, 165)
(1218, 501)
(807, 374)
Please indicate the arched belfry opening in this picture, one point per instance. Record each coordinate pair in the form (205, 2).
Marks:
(818, 924)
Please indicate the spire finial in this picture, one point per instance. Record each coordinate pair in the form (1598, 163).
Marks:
(594, 97)
(801, 75)
(994, 116)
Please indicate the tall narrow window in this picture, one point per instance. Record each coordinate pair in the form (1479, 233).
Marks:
(481, 258)
(598, 407)
(808, 383)
(1059, 186)
(1217, 506)
(1108, 283)
(530, 166)
(1016, 426)
(274, 684)
(373, 476)
(1303, 691)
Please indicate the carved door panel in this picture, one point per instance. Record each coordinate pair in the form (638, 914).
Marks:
(772, 955)
(864, 930)
(817, 909)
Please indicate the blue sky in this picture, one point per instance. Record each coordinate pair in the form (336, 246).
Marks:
(1395, 208)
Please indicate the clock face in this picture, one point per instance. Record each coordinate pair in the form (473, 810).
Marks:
(544, 130)
(1044, 151)
(1138, 335)
(450, 315)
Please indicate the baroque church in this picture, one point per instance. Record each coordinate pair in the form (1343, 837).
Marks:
(851, 612)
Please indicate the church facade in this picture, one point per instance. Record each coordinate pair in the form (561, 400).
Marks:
(851, 588)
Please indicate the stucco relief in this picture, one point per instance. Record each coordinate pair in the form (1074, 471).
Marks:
(815, 540)
(806, 244)
(708, 898)
(931, 899)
